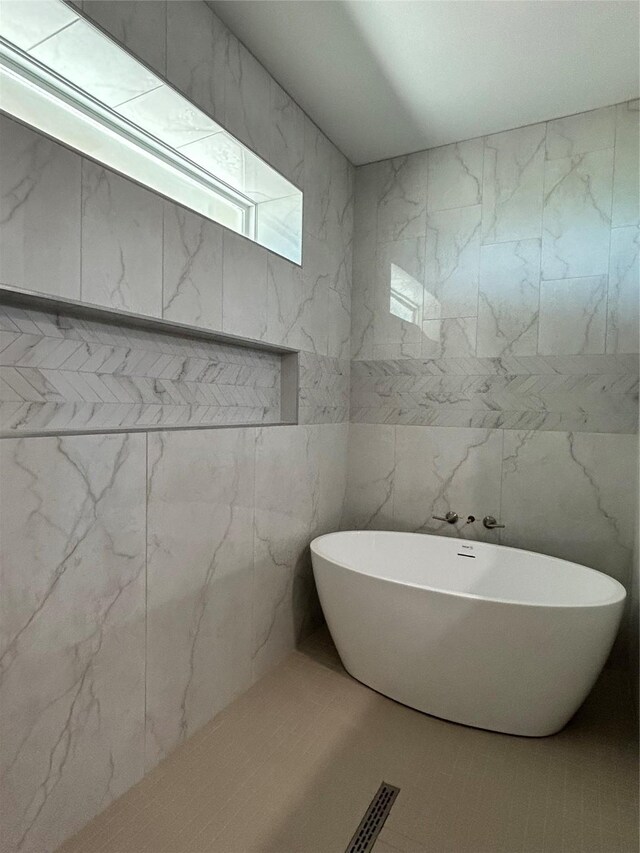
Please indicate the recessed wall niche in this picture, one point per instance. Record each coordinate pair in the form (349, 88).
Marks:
(74, 368)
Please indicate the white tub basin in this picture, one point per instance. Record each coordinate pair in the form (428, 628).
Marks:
(480, 634)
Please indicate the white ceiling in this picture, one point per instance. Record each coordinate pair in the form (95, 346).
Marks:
(386, 78)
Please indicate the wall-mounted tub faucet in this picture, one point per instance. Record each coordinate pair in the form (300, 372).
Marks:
(490, 522)
(451, 517)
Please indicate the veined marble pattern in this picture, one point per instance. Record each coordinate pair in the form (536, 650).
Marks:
(573, 316)
(244, 301)
(513, 184)
(287, 135)
(399, 293)
(247, 98)
(73, 638)
(509, 299)
(542, 218)
(192, 269)
(199, 580)
(59, 372)
(371, 472)
(317, 180)
(577, 134)
(140, 27)
(311, 299)
(39, 212)
(577, 215)
(451, 266)
(587, 514)
(455, 175)
(623, 330)
(450, 338)
(121, 243)
(561, 493)
(402, 199)
(300, 487)
(441, 470)
(287, 303)
(339, 324)
(579, 393)
(200, 72)
(626, 185)
(323, 389)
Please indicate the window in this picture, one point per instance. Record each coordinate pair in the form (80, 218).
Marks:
(66, 78)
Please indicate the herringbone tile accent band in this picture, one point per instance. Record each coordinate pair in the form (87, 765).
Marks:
(58, 372)
(591, 393)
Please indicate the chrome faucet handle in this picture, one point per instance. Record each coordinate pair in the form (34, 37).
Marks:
(451, 517)
(490, 522)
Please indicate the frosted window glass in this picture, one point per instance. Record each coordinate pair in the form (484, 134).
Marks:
(88, 58)
(88, 92)
(26, 30)
(237, 166)
(169, 116)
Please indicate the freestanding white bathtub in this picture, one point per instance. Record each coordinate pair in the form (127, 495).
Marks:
(480, 634)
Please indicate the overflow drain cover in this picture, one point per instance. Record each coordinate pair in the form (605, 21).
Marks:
(373, 820)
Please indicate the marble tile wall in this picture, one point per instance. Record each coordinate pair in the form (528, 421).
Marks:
(59, 372)
(568, 494)
(592, 393)
(72, 228)
(495, 339)
(200, 537)
(523, 243)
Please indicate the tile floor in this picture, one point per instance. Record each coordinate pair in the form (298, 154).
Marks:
(291, 766)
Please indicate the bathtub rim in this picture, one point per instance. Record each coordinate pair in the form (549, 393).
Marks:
(614, 600)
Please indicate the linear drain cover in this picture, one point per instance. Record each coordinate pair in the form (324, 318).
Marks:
(373, 820)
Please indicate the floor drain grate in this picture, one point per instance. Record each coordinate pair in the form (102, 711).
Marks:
(373, 820)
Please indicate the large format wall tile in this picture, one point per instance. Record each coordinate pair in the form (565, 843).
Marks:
(624, 291)
(312, 296)
(199, 579)
(573, 316)
(454, 337)
(192, 269)
(39, 213)
(571, 496)
(287, 135)
(287, 305)
(438, 470)
(317, 180)
(509, 298)
(452, 253)
(626, 183)
(300, 483)
(402, 198)
(247, 98)
(244, 302)
(66, 374)
(400, 294)
(73, 599)
(577, 134)
(199, 71)
(455, 175)
(371, 466)
(577, 215)
(513, 184)
(121, 243)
